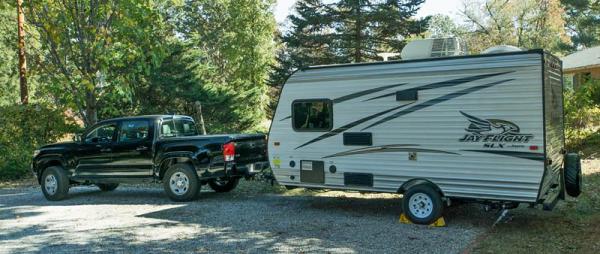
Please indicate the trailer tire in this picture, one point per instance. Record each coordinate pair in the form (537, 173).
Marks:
(107, 186)
(223, 184)
(181, 182)
(55, 183)
(422, 204)
(573, 179)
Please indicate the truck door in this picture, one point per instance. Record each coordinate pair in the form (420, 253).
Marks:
(132, 152)
(94, 155)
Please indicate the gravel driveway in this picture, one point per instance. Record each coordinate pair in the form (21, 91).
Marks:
(140, 219)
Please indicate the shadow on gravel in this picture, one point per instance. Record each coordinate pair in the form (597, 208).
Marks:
(143, 219)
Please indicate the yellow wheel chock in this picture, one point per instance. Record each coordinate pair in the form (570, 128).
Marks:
(440, 222)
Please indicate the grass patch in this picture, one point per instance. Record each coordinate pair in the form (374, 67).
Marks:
(572, 227)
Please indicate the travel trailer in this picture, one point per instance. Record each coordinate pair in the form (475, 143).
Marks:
(483, 128)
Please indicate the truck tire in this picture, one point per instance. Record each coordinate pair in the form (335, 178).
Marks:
(181, 182)
(422, 204)
(107, 186)
(573, 179)
(223, 184)
(55, 183)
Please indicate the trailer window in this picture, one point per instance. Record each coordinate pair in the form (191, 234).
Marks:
(312, 115)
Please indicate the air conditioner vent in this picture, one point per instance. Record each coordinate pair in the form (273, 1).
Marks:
(428, 48)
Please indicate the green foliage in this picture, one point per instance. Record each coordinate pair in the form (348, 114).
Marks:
(96, 50)
(24, 128)
(583, 19)
(582, 115)
(442, 26)
(349, 30)
(9, 77)
(522, 23)
(230, 50)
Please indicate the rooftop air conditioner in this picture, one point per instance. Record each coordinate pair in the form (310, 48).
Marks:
(429, 48)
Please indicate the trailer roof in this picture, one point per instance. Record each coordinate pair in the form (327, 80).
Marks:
(539, 51)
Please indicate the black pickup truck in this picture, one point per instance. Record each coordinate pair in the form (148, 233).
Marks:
(158, 148)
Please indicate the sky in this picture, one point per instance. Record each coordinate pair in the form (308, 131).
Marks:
(430, 7)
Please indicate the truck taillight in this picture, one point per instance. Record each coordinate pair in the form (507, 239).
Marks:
(229, 151)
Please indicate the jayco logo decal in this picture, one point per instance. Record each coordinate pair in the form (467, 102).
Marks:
(493, 132)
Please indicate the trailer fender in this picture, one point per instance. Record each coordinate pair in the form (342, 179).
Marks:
(410, 183)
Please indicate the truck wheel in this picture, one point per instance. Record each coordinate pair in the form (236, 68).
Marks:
(222, 184)
(107, 186)
(181, 183)
(573, 179)
(55, 183)
(422, 204)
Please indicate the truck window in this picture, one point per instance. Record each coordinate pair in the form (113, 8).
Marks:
(101, 134)
(178, 128)
(312, 115)
(134, 130)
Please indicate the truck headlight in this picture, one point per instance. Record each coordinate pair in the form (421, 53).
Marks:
(36, 152)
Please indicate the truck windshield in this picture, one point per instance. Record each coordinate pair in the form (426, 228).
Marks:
(178, 128)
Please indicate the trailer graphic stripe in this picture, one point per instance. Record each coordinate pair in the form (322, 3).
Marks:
(435, 101)
(429, 103)
(387, 149)
(446, 83)
(350, 125)
(357, 94)
(365, 92)
(522, 155)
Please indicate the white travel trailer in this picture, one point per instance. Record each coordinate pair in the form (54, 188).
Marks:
(483, 128)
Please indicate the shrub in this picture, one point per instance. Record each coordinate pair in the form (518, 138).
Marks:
(582, 115)
(25, 128)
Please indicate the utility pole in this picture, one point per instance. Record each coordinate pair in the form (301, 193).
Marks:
(22, 60)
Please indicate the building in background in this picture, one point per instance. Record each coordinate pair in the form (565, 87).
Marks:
(582, 66)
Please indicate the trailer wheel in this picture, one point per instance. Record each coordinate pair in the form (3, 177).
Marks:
(573, 179)
(222, 184)
(181, 182)
(422, 204)
(55, 183)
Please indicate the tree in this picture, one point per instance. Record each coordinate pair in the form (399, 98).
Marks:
(9, 78)
(583, 22)
(523, 23)
(442, 26)
(233, 51)
(95, 48)
(350, 30)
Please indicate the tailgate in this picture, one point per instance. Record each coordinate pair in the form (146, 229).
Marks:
(250, 148)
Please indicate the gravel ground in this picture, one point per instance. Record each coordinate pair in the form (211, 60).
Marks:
(140, 219)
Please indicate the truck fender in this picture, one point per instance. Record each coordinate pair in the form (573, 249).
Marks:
(171, 158)
(48, 161)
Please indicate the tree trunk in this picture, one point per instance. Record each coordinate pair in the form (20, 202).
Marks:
(91, 109)
(358, 34)
(22, 59)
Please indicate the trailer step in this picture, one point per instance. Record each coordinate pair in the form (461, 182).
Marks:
(440, 222)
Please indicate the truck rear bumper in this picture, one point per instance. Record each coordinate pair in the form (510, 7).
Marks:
(250, 169)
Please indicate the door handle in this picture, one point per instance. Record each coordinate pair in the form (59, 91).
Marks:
(141, 148)
(105, 150)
